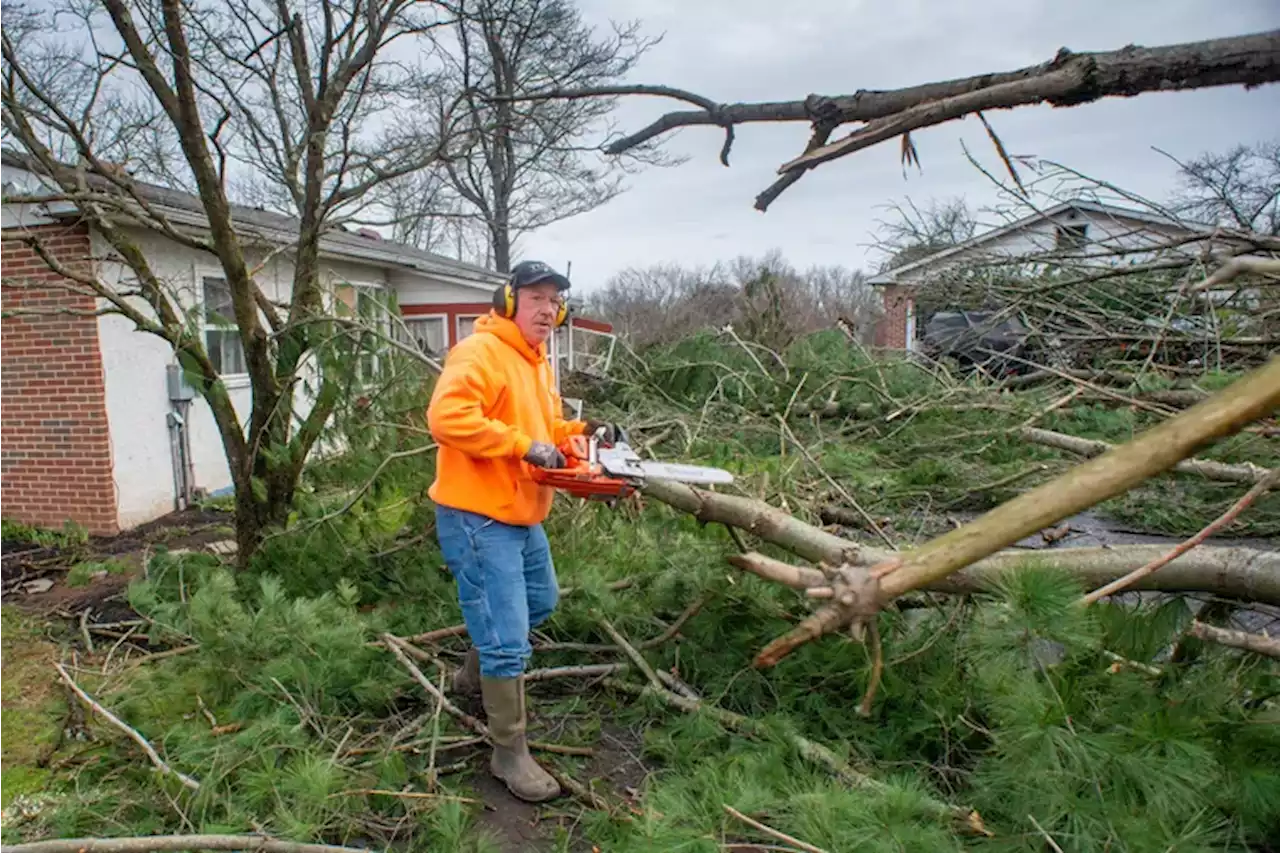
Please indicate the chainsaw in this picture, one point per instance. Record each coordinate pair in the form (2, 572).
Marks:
(616, 471)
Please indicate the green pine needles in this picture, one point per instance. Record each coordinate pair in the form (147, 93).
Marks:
(1101, 728)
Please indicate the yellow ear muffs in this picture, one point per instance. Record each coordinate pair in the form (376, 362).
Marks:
(504, 301)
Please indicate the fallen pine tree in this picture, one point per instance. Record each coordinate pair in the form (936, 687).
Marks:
(862, 582)
(301, 724)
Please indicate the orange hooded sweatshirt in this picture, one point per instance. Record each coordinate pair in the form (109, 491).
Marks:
(495, 397)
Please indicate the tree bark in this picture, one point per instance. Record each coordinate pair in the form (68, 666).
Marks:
(756, 517)
(1245, 574)
(1226, 472)
(1256, 643)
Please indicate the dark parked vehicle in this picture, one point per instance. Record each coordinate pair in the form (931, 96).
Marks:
(977, 339)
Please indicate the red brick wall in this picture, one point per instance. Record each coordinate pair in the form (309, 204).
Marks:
(55, 448)
(891, 330)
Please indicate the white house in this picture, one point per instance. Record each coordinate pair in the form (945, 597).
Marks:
(98, 427)
(1081, 233)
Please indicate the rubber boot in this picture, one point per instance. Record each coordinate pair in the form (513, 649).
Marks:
(511, 761)
(466, 680)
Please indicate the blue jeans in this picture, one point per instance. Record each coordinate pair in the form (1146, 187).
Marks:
(506, 584)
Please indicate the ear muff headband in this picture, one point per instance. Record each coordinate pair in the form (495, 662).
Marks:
(504, 301)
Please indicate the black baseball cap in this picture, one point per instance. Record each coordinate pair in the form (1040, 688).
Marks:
(526, 273)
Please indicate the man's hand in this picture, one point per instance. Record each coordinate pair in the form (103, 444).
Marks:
(545, 456)
(613, 433)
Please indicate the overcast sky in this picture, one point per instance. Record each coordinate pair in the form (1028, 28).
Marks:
(748, 50)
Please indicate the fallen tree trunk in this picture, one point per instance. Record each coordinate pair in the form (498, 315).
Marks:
(1245, 574)
(859, 591)
(1228, 473)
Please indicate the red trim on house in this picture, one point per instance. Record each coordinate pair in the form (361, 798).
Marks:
(453, 310)
(593, 325)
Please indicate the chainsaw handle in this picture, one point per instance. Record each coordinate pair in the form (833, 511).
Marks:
(576, 447)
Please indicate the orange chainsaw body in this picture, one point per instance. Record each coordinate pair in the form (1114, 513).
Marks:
(581, 477)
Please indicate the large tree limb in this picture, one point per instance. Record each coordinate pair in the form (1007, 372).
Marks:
(1217, 524)
(1069, 79)
(756, 517)
(1073, 79)
(1245, 574)
(858, 591)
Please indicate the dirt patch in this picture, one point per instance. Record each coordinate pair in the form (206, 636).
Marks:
(42, 579)
(615, 770)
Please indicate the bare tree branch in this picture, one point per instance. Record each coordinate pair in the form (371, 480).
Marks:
(1069, 79)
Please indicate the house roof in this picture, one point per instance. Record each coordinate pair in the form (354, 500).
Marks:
(893, 276)
(186, 209)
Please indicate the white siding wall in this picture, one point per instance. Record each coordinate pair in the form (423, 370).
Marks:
(414, 289)
(137, 397)
(1106, 236)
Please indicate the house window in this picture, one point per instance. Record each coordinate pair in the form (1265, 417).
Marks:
(367, 305)
(429, 334)
(1072, 237)
(466, 324)
(221, 334)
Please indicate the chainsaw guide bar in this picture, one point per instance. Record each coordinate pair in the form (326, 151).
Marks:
(600, 473)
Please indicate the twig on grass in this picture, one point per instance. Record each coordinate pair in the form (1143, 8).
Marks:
(435, 736)
(630, 651)
(396, 645)
(174, 843)
(877, 669)
(1267, 483)
(866, 516)
(771, 832)
(96, 707)
(438, 634)
(570, 784)
(406, 795)
(589, 670)
(1047, 836)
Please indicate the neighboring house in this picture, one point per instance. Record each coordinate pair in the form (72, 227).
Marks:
(98, 426)
(1085, 232)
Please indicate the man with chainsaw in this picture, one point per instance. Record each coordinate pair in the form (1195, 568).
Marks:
(496, 415)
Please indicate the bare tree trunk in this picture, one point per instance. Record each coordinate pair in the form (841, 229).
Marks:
(1243, 574)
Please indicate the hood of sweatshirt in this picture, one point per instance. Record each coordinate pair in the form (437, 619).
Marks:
(509, 333)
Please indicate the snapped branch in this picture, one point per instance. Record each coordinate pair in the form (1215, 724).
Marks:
(1068, 79)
